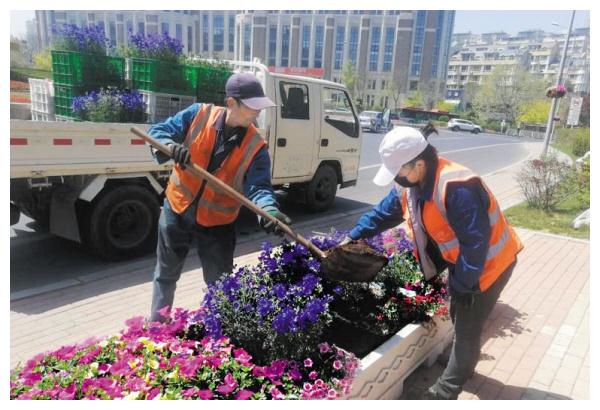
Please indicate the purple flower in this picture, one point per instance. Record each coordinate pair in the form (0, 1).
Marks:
(265, 306)
(205, 394)
(244, 394)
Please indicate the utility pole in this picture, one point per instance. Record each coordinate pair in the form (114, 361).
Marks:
(550, 123)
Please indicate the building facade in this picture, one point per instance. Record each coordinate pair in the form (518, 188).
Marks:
(394, 52)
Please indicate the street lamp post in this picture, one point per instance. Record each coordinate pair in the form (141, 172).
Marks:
(550, 123)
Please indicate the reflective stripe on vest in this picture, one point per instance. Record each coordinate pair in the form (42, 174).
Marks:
(192, 132)
(174, 178)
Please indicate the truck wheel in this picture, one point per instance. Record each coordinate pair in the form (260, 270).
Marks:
(321, 191)
(123, 223)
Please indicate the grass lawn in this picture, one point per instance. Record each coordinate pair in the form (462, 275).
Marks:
(557, 221)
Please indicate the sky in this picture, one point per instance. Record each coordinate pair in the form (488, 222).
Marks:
(476, 21)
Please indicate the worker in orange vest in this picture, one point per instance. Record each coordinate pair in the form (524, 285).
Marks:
(225, 142)
(456, 224)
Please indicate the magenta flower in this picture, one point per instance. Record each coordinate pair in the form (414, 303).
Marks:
(331, 394)
(229, 385)
(135, 323)
(308, 362)
(205, 394)
(153, 393)
(277, 395)
(295, 374)
(244, 394)
(190, 367)
(313, 375)
(189, 393)
(307, 387)
(324, 347)
(337, 365)
(65, 352)
(242, 356)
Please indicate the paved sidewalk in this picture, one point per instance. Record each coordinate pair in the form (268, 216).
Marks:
(536, 342)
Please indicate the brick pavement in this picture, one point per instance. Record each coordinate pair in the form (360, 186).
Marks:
(536, 342)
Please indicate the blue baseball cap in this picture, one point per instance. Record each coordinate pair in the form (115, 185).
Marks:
(247, 88)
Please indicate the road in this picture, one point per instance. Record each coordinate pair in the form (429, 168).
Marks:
(38, 259)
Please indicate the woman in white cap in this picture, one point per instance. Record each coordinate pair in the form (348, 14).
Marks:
(455, 223)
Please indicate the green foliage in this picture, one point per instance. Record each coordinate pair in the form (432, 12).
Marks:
(536, 112)
(415, 100)
(507, 93)
(540, 181)
(43, 60)
(573, 141)
(23, 74)
(445, 106)
(349, 77)
(444, 118)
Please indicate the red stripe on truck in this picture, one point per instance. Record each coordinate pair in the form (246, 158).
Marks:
(102, 141)
(137, 142)
(18, 141)
(63, 141)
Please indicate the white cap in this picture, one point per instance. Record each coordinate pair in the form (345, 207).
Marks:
(399, 146)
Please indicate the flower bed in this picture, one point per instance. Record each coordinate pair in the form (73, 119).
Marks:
(268, 331)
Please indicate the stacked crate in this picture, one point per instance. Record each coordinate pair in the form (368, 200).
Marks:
(77, 73)
(41, 93)
(160, 106)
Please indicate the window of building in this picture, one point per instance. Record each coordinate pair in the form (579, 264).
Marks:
(374, 54)
(119, 17)
(383, 84)
(247, 41)
(272, 45)
(388, 50)
(205, 32)
(218, 32)
(438, 41)
(418, 44)
(319, 47)
(164, 28)
(305, 46)
(231, 33)
(339, 48)
(152, 18)
(112, 33)
(294, 101)
(179, 32)
(190, 40)
(285, 45)
(413, 85)
(353, 45)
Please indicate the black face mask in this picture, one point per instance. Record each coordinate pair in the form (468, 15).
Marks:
(402, 181)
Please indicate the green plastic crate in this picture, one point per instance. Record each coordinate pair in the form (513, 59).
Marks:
(163, 77)
(87, 70)
(63, 98)
(211, 85)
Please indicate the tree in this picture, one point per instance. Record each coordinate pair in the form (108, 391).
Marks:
(430, 93)
(393, 89)
(536, 112)
(469, 92)
(506, 93)
(445, 106)
(350, 77)
(43, 60)
(415, 99)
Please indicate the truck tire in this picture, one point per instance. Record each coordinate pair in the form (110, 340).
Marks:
(320, 192)
(123, 223)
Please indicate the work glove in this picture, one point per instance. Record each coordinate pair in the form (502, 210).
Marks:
(160, 156)
(180, 154)
(466, 300)
(270, 226)
(346, 241)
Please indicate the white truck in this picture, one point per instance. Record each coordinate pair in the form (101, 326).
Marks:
(97, 183)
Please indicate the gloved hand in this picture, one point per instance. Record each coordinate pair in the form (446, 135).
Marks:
(160, 156)
(346, 241)
(270, 226)
(180, 154)
(466, 300)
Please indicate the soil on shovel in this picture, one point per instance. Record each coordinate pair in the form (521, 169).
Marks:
(353, 262)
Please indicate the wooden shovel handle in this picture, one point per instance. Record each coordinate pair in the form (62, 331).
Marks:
(201, 173)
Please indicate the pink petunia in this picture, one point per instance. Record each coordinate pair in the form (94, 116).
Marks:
(165, 311)
(324, 347)
(295, 374)
(337, 365)
(205, 394)
(244, 394)
(242, 356)
(135, 323)
(313, 375)
(153, 393)
(189, 393)
(307, 387)
(331, 394)
(308, 362)
(68, 393)
(277, 395)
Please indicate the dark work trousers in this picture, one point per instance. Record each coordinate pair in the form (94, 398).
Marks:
(176, 234)
(468, 328)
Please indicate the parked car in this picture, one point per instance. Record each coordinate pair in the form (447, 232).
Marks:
(456, 124)
(375, 121)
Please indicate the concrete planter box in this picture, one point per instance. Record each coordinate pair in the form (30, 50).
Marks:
(383, 371)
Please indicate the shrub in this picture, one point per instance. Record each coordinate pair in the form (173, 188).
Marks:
(576, 184)
(110, 105)
(70, 37)
(580, 144)
(540, 179)
(444, 118)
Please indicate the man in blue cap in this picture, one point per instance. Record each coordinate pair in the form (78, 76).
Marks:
(225, 142)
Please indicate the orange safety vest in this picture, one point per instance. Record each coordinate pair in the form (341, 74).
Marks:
(504, 242)
(214, 207)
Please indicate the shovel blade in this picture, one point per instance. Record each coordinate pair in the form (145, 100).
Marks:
(353, 262)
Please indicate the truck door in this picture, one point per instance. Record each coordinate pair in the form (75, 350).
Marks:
(295, 132)
(340, 131)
